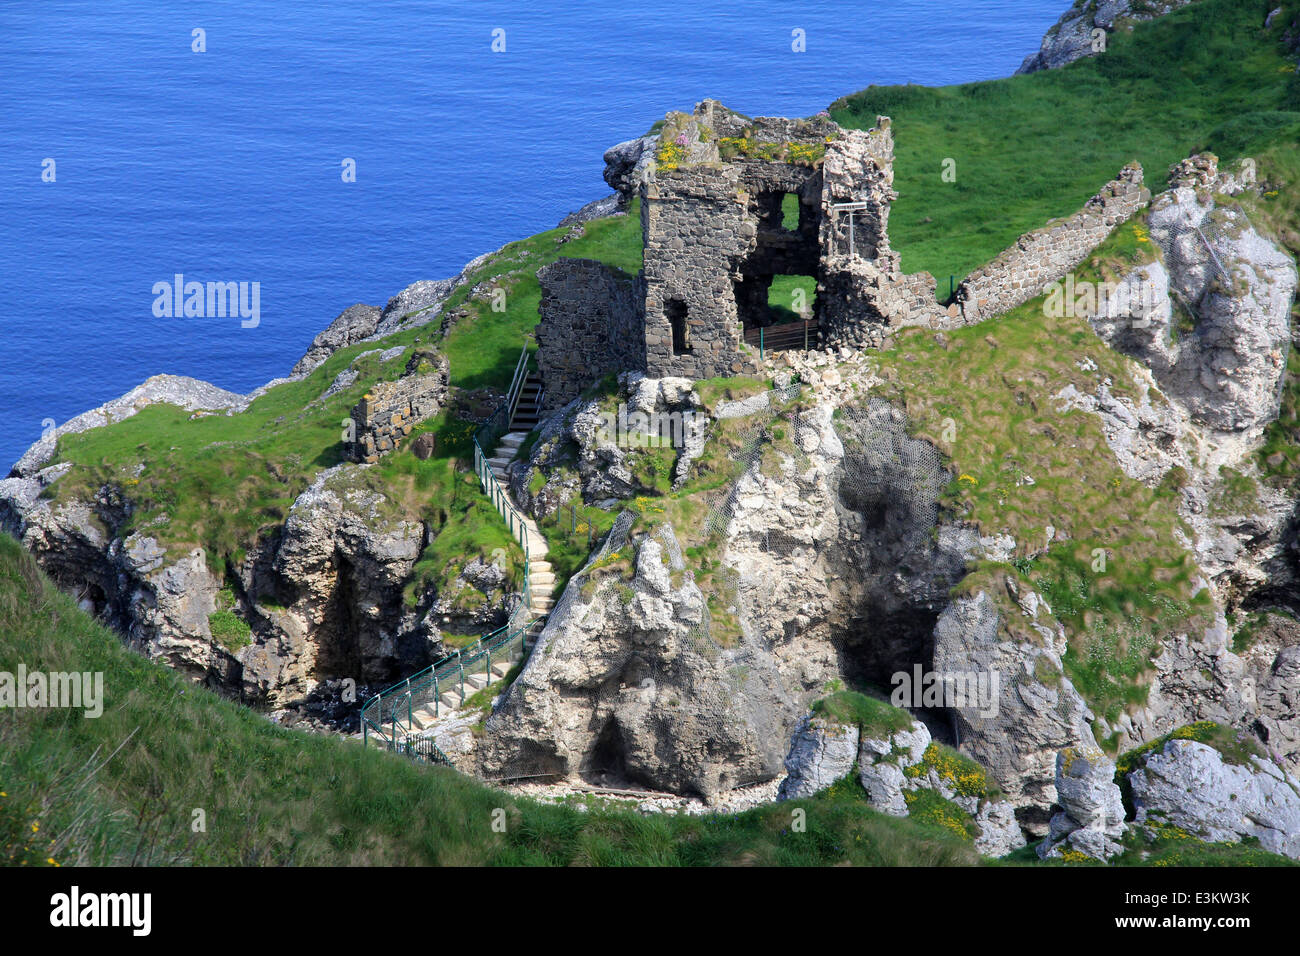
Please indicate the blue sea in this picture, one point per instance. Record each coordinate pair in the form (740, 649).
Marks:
(226, 164)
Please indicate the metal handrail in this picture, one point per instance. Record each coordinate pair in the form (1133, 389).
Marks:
(517, 383)
(381, 714)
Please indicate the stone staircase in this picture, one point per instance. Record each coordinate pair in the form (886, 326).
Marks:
(398, 715)
(528, 409)
(453, 698)
(541, 577)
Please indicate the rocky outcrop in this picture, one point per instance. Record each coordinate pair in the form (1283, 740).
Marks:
(339, 573)
(1037, 711)
(882, 762)
(1235, 286)
(629, 164)
(1091, 818)
(891, 765)
(821, 753)
(190, 394)
(354, 324)
(599, 450)
(1189, 787)
(1082, 30)
(627, 683)
(160, 603)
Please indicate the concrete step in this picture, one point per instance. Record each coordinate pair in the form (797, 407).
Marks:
(536, 577)
(451, 700)
(513, 440)
(495, 463)
(539, 565)
(478, 680)
(421, 719)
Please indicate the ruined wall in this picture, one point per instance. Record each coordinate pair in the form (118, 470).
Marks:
(388, 412)
(858, 167)
(1042, 257)
(591, 325)
(714, 235)
(862, 301)
(861, 297)
(696, 229)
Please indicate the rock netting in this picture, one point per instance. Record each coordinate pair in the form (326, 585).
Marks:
(389, 411)
(1044, 256)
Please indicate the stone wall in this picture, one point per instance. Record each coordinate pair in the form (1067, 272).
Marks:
(1042, 257)
(388, 412)
(714, 232)
(590, 325)
(862, 300)
(695, 229)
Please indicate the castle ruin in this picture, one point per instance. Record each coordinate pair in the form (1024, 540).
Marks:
(731, 203)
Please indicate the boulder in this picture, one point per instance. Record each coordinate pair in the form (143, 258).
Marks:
(1189, 786)
(821, 753)
(1091, 818)
(354, 324)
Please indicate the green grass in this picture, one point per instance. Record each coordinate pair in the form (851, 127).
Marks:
(788, 291)
(1113, 574)
(223, 483)
(124, 788)
(873, 718)
(1030, 148)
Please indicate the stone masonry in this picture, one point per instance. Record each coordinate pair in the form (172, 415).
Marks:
(590, 326)
(388, 412)
(1044, 256)
(719, 223)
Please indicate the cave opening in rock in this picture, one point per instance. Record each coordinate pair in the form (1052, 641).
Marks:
(340, 649)
(607, 762)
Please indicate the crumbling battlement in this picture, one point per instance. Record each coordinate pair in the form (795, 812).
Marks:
(389, 411)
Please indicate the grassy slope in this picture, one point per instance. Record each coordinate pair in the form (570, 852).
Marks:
(1029, 148)
(124, 788)
(219, 482)
(984, 396)
(273, 796)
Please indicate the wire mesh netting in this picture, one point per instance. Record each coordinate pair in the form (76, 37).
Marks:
(893, 480)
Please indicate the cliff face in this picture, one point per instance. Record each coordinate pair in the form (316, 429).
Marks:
(831, 562)
(322, 595)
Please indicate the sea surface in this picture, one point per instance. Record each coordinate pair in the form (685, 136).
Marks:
(227, 164)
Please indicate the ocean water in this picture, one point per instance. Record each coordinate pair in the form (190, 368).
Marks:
(226, 165)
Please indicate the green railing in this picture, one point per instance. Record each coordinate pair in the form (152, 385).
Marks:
(389, 715)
